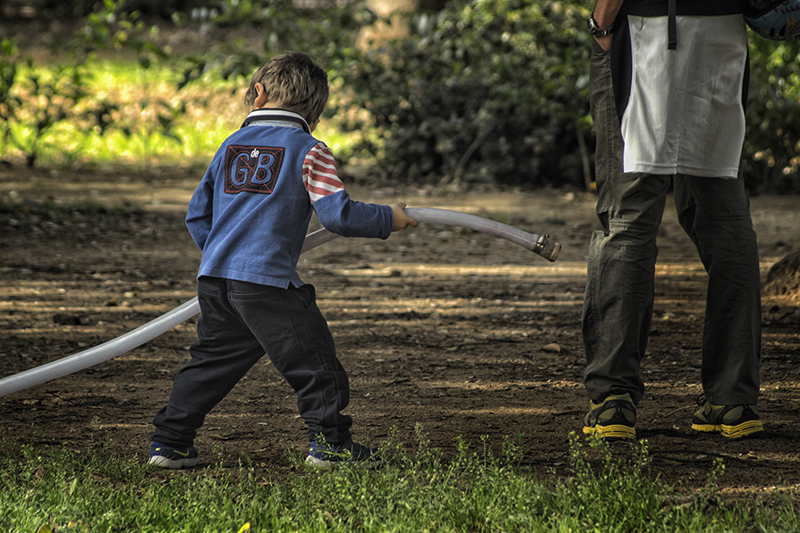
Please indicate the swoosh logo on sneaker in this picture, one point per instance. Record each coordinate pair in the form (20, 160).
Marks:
(182, 454)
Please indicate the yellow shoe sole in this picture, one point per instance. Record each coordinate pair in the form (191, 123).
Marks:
(744, 429)
(707, 428)
(738, 431)
(612, 432)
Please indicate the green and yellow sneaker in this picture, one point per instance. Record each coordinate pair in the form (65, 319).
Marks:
(733, 421)
(612, 419)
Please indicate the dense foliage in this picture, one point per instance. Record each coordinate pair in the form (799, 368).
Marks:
(771, 158)
(483, 91)
(496, 91)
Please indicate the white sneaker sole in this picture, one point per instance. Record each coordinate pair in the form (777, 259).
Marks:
(164, 462)
(322, 463)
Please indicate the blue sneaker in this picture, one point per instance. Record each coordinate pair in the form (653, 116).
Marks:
(328, 455)
(164, 456)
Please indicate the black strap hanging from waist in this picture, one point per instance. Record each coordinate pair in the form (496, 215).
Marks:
(672, 27)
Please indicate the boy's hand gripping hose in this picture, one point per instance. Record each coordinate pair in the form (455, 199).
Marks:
(539, 244)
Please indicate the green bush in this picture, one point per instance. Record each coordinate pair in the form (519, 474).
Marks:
(327, 33)
(35, 102)
(496, 91)
(484, 91)
(771, 155)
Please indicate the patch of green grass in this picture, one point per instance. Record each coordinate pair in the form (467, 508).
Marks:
(98, 489)
(150, 122)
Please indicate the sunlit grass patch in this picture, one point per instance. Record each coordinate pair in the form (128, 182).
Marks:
(132, 116)
(96, 488)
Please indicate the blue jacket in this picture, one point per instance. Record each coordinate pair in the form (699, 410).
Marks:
(250, 213)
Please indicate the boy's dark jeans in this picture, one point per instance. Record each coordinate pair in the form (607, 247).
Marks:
(239, 322)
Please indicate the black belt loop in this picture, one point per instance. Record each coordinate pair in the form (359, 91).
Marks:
(673, 31)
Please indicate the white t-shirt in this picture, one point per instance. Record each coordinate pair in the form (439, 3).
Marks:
(685, 113)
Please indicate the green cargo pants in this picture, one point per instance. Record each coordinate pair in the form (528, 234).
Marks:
(619, 295)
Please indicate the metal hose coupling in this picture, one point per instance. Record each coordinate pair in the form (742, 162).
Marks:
(547, 248)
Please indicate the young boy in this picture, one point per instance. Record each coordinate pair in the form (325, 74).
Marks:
(249, 216)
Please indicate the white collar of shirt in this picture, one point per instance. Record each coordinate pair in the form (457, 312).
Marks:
(275, 116)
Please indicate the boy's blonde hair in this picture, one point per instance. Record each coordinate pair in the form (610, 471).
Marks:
(293, 82)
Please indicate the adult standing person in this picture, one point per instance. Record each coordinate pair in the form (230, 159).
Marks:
(668, 87)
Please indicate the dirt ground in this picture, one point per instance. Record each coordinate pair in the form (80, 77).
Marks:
(461, 333)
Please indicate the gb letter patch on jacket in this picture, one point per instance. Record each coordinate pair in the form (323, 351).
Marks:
(252, 169)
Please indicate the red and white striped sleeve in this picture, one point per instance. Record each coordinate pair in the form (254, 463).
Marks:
(319, 173)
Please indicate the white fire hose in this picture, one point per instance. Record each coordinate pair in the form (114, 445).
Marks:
(539, 244)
